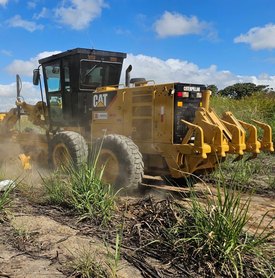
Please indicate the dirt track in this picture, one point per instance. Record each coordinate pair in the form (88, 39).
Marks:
(38, 241)
(35, 243)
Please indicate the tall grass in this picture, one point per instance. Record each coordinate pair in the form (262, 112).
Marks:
(83, 190)
(260, 106)
(5, 196)
(217, 234)
(257, 174)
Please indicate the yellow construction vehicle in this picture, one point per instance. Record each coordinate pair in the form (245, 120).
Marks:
(141, 127)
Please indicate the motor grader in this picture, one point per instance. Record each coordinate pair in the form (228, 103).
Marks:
(138, 127)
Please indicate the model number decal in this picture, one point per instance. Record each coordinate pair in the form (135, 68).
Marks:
(191, 89)
(101, 116)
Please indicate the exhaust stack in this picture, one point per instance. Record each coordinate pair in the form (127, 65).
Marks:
(127, 76)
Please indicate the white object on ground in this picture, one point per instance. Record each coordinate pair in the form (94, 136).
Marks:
(5, 184)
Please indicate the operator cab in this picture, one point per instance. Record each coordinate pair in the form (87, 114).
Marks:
(71, 77)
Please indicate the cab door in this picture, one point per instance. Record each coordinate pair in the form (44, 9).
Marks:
(66, 92)
(52, 79)
(59, 92)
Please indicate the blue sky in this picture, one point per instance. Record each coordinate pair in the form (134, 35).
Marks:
(219, 42)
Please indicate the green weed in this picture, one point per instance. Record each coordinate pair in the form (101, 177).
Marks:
(85, 264)
(114, 257)
(90, 196)
(5, 196)
(58, 189)
(216, 232)
(82, 190)
(257, 174)
(259, 106)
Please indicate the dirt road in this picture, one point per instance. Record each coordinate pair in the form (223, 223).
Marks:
(39, 241)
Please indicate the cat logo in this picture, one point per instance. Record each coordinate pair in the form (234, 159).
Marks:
(100, 100)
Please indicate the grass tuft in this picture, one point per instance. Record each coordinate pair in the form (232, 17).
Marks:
(82, 190)
(5, 196)
(85, 264)
(216, 232)
(249, 175)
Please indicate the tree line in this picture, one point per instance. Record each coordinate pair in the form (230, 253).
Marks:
(240, 90)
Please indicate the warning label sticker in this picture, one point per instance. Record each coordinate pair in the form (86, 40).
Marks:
(100, 116)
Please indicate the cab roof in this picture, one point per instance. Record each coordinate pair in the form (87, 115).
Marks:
(83, 52)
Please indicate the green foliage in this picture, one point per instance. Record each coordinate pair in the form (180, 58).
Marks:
(90, 196)
(82, 190)
(259, 106)
(58, 189)
(216, 232)
(248, 174)
(213, 88)
(85, 264)
(240, 90)
(114, 257)
(5, 196)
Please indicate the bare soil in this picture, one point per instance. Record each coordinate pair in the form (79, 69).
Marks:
(41, 241)
(37, 241)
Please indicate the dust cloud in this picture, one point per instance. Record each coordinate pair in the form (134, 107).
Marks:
(11, 166)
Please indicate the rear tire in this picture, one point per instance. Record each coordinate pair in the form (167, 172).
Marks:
(121, 160)
(68, 148)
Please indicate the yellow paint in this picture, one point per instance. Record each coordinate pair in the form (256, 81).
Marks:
(25, 160)
(2, 116)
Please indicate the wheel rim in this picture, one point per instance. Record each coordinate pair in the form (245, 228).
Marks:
(61, 156)
(109, 164)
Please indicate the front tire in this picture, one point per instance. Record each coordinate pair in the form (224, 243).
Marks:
(121, 161)
(68, 148)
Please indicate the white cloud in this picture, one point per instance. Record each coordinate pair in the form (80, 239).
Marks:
(30, 26)
(151, 68)
(8, 95)
(79, 13)
(43, 13)
(259, 37)
(25, 68)
(175, 24)
(175, 70)
(3, 2)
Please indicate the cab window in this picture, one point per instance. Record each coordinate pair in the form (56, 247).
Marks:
(95, 74)
(53, 80)
(53, 77)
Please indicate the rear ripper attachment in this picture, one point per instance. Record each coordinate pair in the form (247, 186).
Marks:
(209, 138)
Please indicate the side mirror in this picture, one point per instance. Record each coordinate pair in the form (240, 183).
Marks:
(36, 77)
